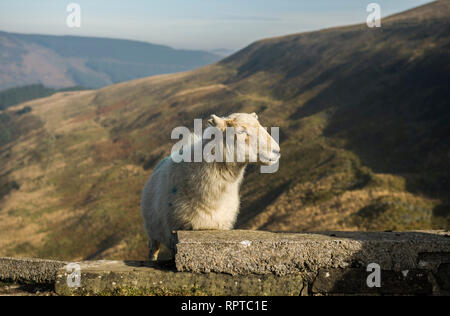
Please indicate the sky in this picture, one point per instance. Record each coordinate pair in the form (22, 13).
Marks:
(190, 24)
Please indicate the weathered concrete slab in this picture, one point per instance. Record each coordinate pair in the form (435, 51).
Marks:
(36, 271)
(353, 281)
(145, 278)
(254, 263)
(241, 252)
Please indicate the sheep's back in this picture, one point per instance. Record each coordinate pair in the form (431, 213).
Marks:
(155, 208)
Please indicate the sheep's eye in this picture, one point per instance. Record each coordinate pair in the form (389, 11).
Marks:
(240, 130)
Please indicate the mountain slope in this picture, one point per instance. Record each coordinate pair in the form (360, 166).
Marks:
(14, 96)
(363, 116)
(63, 61)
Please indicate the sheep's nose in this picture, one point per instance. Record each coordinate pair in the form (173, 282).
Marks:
(275, 151)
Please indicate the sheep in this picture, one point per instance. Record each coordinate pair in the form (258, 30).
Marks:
(203, 195)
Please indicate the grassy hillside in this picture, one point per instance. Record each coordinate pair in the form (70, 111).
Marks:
(363, 115)
(65, 61)
(18, 95)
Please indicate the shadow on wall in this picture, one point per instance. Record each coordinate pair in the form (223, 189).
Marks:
(394, 270)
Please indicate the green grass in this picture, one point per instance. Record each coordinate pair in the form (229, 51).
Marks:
(7, 187)
(394, 215)
(14, 96)
(24, 249)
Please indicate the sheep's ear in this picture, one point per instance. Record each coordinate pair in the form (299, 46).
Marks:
(254, 115)
(217, 122)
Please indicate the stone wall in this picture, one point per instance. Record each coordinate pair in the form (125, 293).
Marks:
(261, 263)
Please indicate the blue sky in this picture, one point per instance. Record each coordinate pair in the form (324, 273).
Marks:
(192, 24)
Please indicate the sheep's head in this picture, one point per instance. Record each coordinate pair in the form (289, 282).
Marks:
(253, 143)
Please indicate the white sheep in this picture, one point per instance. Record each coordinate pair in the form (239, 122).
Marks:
(202, 195)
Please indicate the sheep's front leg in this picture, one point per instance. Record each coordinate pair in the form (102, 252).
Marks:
(154, 247)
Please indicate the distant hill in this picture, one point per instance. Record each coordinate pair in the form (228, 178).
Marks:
(13, 96)
(223, 52)
(65, 61)
(365, 140)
